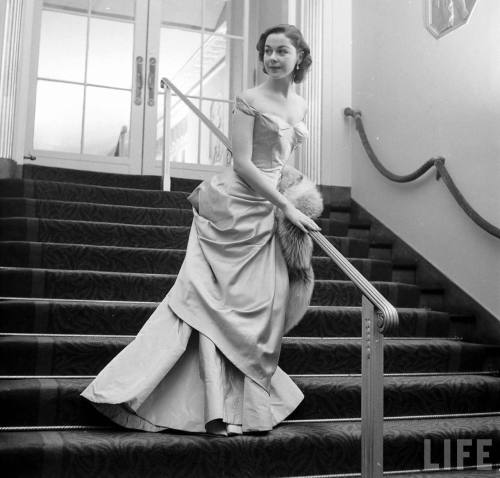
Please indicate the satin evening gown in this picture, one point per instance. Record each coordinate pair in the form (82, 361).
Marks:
(210, 349)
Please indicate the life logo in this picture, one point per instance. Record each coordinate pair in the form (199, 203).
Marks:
(459, 454)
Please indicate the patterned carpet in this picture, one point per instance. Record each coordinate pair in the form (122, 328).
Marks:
(84, 259)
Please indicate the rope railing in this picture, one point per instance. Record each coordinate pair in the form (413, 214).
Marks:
(378, 317)
(441, 173)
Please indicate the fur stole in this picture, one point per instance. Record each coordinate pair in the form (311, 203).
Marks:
(297, 247)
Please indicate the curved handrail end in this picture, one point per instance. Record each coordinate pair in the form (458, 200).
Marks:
(387, 319)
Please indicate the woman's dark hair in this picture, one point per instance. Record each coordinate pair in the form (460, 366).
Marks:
(295, 36)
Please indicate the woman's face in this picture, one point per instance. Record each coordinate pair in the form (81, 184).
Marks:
(280, 56)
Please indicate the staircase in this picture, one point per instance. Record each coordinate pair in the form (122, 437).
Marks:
(84, 259)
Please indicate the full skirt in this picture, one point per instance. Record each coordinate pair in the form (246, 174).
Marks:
(210, 349)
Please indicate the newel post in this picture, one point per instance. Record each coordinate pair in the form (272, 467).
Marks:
(372, 394)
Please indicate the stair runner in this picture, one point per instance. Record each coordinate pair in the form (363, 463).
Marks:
(84, 259)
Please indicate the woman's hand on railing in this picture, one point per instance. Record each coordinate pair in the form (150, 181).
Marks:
(299, 219)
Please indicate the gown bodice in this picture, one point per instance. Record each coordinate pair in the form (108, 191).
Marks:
(274, 139)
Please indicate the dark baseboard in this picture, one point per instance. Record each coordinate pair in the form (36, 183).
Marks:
(9, 169)
(485, 328)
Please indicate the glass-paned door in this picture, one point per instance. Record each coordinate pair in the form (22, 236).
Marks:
(201, 46)
(88, 110)
(97, 101)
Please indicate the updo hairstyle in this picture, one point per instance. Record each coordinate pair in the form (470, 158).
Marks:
(297, 40)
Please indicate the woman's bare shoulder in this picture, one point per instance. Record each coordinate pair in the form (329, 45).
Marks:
(250, 95)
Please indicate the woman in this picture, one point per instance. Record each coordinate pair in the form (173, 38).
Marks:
(206, 359)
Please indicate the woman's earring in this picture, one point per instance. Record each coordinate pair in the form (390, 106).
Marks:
(297, 67)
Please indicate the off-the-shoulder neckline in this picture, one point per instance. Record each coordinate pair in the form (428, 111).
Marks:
(270, 114)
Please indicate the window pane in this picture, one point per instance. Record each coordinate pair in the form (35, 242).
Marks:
(224, 16)
(222, 67)
(212, 150)
(184, 125)
(107, 121)
(179, 59)
(124, 9)
(62, 46)
(183, 13)
(80, 6)
(58, 117)
(110, 59)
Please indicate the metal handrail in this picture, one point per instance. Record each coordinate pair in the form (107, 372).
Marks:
(119, 149)
(379, 317)
(441, 172)
(387, 320)
(166, 83)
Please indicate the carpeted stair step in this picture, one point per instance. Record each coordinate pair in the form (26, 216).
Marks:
(80, 211)
(44, 173)
(84, 246)
(291, 449)
(338, 321)
(87, 355)
(57, 401)
(74, 192)
(86, 317)
(64, 284)
(128, 235)
(153, 261)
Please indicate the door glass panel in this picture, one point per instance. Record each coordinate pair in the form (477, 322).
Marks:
(62, 46)
(92, 115)
(75, 6)
(106, 129)
(206, 64)
(124, 9)
(179, 59)
(110, 58)
(212, 150)
(224, 16)
(222, 67)
(184, 127)
(184, 14)
(58, 116)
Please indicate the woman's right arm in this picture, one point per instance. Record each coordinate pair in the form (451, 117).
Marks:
(242, 132)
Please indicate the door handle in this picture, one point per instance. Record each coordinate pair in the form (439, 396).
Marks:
(139, 81)
(151, 81)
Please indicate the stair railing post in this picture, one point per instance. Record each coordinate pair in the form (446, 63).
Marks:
(372, 394)
(165, 157)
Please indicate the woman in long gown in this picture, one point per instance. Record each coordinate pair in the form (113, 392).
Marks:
(206, 360)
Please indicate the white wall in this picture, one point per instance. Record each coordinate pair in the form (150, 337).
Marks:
(421, 97)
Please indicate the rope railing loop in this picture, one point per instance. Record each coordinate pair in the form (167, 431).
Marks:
(441, 173)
